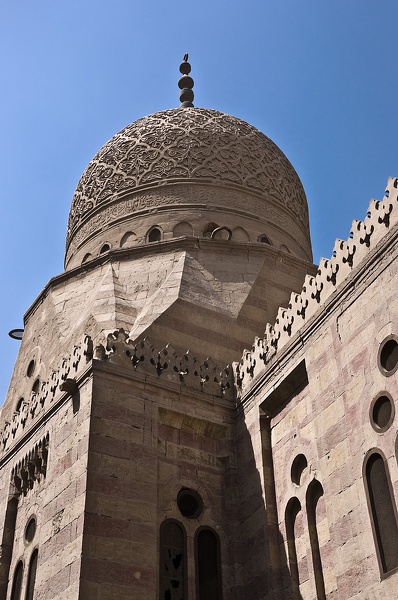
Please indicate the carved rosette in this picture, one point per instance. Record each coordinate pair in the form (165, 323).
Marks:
(180, 145)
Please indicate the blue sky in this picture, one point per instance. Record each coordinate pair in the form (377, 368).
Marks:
(318, 77)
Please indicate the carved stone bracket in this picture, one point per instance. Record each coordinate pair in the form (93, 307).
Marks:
(183, 370)
(347, 255)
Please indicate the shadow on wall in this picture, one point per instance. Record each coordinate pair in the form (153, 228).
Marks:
(265, 565)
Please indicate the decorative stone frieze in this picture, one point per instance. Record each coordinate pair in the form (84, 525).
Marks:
(184, 370)
(32, 468)
(38, 403)
(364, 236)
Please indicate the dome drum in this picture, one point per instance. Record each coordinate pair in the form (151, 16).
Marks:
(183, 160)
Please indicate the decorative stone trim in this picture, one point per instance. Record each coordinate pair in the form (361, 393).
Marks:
(31, 468)
(59, 380)
(183, 370)
(364, 236)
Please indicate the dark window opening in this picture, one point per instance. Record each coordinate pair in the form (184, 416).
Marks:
(19, 405)
(189, 503)
(36, 386)
(154, 235)
(264, 239)
(383, 512)
(105, 248)
(208, 565)
(382, 413)
(31, 368)
(32, 576)
(172, 584)
(292, 510)
(388, 356)
(314, 493)
(17, 583)
(30, 530)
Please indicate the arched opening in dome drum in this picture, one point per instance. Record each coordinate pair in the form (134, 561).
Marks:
(209, 228)
(264, 239)
(105, 248)
(182, 228)
(86, 258)
(154, 235)
(128, 239)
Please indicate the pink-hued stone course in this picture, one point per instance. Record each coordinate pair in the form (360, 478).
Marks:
(127, 396)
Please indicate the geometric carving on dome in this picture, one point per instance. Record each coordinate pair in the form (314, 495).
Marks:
(187, 145)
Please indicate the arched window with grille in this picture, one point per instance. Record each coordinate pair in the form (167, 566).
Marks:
(173, 569)
(382, 510)
(32, 575)
(17, 582)
(208, 564)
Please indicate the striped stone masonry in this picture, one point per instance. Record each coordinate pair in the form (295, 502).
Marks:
(347, 255)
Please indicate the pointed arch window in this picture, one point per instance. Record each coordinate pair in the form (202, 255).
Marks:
(314, 493)
(172, 576)
(30, 590)
(382, 510)
(292, 510)
(208, 564)
(17, 582)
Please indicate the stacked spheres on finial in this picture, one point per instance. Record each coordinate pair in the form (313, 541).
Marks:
(185, 84)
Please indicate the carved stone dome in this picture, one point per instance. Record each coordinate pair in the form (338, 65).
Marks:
(179, 158)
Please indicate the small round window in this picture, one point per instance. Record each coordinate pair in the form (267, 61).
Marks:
(388, 356)
(382, 412)
(189, 503)
(30, 530)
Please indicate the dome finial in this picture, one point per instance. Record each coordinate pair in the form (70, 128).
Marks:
(185, 84)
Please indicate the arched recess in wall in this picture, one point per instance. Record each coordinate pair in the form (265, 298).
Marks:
(86, 258)
(129, 239)
(382, 509)
(240, 235)
(208, 564)
(313, 496)
(30, 590)
(17, 582)
(7, 544)
(183, 228)
(173, 560)
(292, 510)
(154, 234)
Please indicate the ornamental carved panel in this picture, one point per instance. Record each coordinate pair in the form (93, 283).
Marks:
(180, 145)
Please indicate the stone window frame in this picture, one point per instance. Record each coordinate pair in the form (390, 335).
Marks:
(17, 595)
(163, 525)
(383, 573)
(30, 587)
(374, 425)
(382, 370)
(201, 528)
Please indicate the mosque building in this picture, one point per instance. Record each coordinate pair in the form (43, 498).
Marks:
(197, 411)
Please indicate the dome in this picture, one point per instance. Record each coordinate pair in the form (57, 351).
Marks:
(146, 165)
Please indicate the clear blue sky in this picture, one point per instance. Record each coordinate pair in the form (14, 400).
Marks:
(319, 77)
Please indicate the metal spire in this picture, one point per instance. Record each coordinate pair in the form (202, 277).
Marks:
(185, 84)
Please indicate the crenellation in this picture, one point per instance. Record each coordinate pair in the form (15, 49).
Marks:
(364, 235)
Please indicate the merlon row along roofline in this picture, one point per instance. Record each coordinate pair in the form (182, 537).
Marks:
(364, 237)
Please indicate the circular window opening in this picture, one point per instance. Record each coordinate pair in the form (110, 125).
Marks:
(30, 530)
(154, 235)
(298, 466)
(189, 503)
(31, 368)
(382, 412)
(388, 356)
